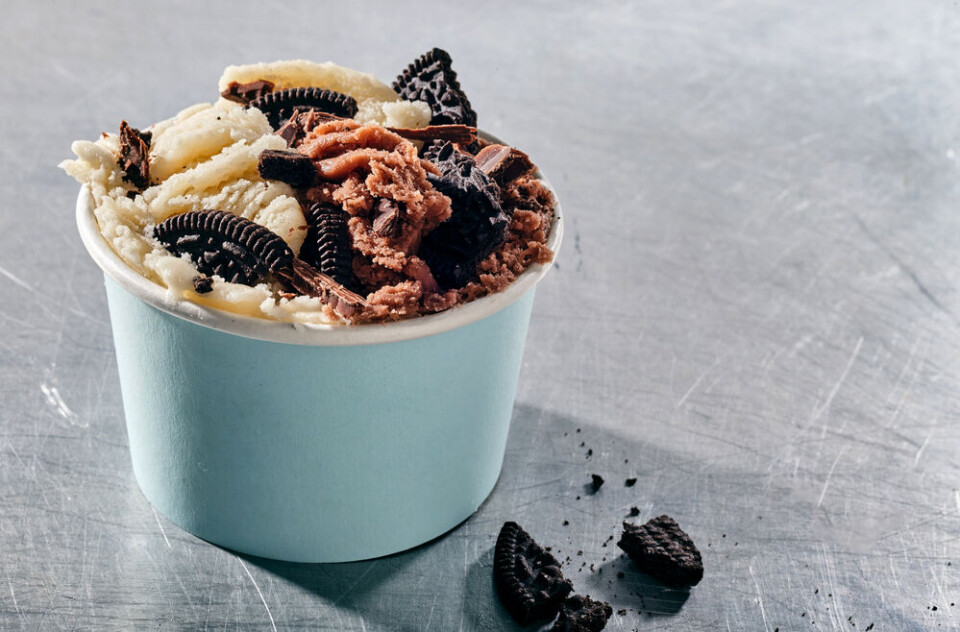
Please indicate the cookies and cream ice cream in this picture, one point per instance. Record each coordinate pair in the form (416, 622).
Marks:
(316, 194)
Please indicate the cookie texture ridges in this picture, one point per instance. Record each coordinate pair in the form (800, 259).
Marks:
(328, 246)
(528, 578)
(662, 549)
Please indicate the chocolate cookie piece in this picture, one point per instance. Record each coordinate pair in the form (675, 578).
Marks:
(244, 93)
(225, 244)
(328, 246)
(582, 614)
(528, 579)
(291, 167)
(477, 225)
(279, 106)
(661, 549)
(431, 79)
(134, 157)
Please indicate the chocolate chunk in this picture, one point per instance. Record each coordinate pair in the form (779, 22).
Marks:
(225, 244)
(306, 279)
(279, 106)
(460, 134)
(244, 93)
(503, 164)
(203, 284)
(582, 614)
(432, 79)
(528, 578)
(301, 123)
(134, 157)
(328, 246)
(661, 549)
(477, 225)
(386, 218)
(291, 167)
(630, 482)
(596, 482)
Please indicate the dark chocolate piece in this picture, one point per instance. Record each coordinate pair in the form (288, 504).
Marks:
(503, 164)
(306, 279)
(225, 244)
(202, 284)
(460, 134)
(280, 105)
(386, 217)
(291, 167)
(528, 578)
(244, 93)
(431, 79)
(134, 157)
(661, 549)
(300, 123)
(582, 614)
(477, 225)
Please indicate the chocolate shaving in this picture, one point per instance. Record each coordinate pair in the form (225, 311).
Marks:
(306, 279)
(301, 123)
(244, 93)
(134, 157)
(504, 164)
(460, 134)
(386, 221)
(291, 167)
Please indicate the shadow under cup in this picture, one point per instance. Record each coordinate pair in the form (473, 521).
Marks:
(313, 445)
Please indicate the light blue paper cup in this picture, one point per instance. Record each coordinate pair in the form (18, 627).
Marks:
(313, 445)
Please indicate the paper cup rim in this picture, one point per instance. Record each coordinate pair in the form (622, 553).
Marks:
(300, 333)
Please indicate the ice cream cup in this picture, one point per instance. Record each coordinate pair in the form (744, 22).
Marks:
(321, 445)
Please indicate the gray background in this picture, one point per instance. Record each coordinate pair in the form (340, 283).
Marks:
(756, 305)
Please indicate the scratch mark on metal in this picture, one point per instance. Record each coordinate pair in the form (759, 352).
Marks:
(160, 524)
(273, 625)
(16, 279)
(56, 401)
(843, 377)
(916, 459)
(763, 613)
(696, 384)
(826, 483)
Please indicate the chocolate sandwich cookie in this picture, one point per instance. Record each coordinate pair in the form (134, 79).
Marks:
(280, 105)
(477, 225)
(661, 548)
(328, 246)
(431, 78)
(528, 578)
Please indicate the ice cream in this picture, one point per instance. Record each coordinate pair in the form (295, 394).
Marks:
(316, 194)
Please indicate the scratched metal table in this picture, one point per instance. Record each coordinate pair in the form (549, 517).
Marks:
(755, 314)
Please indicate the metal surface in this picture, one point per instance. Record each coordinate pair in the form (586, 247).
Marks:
(756, 306)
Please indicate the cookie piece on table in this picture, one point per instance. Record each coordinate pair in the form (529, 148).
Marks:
(279, 106)
(431, 78)
(582, 614)
(662, 549)
(528, 579)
